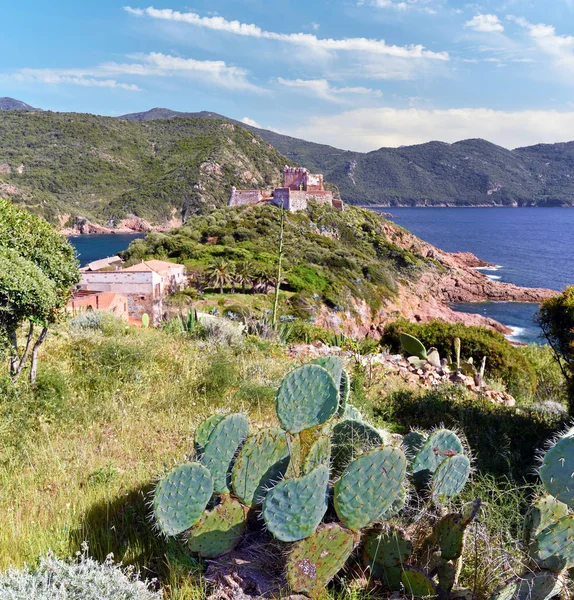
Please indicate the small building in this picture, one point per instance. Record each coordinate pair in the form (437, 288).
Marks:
(145, 285)
(110, 262)
(299, 187)
(112, 302)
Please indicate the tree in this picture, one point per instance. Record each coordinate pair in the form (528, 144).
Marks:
(279, 277)
(556, 319)
(38, 267)
(244, 274)
(220, 274)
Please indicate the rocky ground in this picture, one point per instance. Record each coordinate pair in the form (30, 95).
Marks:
(426, 376)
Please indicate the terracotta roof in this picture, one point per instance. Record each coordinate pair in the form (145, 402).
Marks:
(159, 266)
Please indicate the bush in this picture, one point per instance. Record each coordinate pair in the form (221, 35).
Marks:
(89, 319)
(303, 332)
(85, 579)
(221, 331)
(503, 361)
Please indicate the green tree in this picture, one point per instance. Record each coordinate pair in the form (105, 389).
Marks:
(38, 267)
(221, 274)
(556, 319)
(244, 274)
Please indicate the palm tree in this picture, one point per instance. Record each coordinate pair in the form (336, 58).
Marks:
(244, 274)
(220, 273)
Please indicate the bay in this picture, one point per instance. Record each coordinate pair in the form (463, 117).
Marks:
(531, 247)
(95, 246)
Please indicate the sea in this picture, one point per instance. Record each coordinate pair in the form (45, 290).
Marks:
(531, 247)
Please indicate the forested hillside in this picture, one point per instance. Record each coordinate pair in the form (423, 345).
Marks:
(64, 165)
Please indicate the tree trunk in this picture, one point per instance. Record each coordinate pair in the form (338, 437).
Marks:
(14, 355)
(221, 289)
(24, 358)
(34, 366)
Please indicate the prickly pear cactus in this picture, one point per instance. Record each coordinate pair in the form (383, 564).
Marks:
(351, 439)
(369, 486)
(531, 586)
(318, 454)
(219, 530)
(557, 540)
(204, 430)
(450, 477)
(260, 464)
(181, 497)
(293, 509)
(314, 561)
(385, 553)
(412, 346)
(441, 444)
(557, 469)
(308, 396)
(221, 447)
(417, 583)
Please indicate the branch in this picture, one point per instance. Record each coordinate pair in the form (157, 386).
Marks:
(26, 352)
(37, 345)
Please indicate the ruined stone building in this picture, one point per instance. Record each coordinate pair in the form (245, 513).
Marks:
(299, 186)
(144, 286)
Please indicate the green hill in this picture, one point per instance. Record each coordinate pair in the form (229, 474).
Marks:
(466, 173)
(62, 165)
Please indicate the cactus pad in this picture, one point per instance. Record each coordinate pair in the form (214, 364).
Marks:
(369, 486)
(413, 443)
(416, 583)
(204, 430)
(439, 445)
(181, 497)
(260, 464)
(446, 574)
(545, 511)
(533, 586)
(412, 346)
(314, 561)
(333, 364)
(352, 413)
(450, 477)
(557, 470)
(557, 540)
(449, 535)
(219, 530)
(221, 447)
(385, 553)
(318, 454)
(308, 396)
(294, 508)
(350, 439)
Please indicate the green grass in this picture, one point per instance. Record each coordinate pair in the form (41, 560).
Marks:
(112, 409)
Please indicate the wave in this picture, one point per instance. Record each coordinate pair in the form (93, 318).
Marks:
(494, 277)
(490, 268)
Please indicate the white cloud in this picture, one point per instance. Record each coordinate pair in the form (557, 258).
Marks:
(402, 5)
(309, 41)
(485, 24)
(367, 129)
(251, 122)
(323, 89)
(154, 64)
(558, 48)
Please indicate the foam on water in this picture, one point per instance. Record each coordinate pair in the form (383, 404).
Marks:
(494, 277)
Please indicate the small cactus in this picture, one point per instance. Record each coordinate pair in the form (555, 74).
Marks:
(412, 346)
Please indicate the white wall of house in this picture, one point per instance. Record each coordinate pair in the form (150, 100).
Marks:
(125, 282)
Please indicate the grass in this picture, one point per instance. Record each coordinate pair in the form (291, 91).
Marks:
(110, 412)
(113, 408)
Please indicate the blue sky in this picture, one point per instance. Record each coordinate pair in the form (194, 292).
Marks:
(357, 74)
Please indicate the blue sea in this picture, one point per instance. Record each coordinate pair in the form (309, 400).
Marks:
(531, 247)
(93, 247)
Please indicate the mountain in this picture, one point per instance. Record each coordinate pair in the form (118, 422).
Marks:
(469, 172)
(106, 170)
(12, 104)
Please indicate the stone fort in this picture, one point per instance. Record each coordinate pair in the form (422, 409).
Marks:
(299, 186)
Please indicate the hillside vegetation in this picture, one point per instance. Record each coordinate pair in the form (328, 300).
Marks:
(64, 165)
(466, 173)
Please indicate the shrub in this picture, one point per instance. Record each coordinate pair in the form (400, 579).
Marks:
(503, 361)
(84, 579)
(221, 331)
(89, 319)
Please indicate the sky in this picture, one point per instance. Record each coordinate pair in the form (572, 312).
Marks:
(355, 74)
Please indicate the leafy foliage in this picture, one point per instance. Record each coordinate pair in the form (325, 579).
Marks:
(104, 169)
(504, 362)
(331, 257)
(556, 319)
